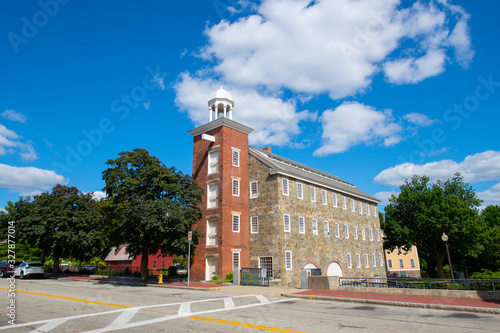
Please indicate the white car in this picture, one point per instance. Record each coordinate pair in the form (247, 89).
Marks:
(30, 269)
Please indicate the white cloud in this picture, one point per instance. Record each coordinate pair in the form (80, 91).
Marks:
(14, 116)
(384, 197)
(159, 80)
(353, 124)
(336, 47)
(491, 196)
(10, 143)
(475, 168)
(275, 121)
(98, 195)
(28, 180)
(419, 119)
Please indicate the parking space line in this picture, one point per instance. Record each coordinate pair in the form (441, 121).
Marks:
(235, 323)
(70, 298)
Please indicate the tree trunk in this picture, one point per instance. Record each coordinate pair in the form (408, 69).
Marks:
(439, 263)
(144, 268)
(55, 267)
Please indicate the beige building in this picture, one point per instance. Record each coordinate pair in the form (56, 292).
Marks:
(402, 263)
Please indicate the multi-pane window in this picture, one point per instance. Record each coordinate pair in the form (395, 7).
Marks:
(389, 262)
(300, 191)
(284, 183)
(355, 230)
(324, 198)
(367, 263)
(337, 230)
(254, 225)
(213, 194)
(302, 226)
(378, 234)
(212, 233)
(313, 194)
(254, 190)
(358, 260)
(375, 210)
(370, 232)
(381, 259)
(368, 209)
(213, 161)
(327, 229)
(353, 207)
(236, 260)
(374, 260)
(334, 199)
(236, 157)
(286, 222)
(288, 260)
(363, 235)
(360, 207)
(349, 261)
(236, 223)
(346, 231)
(401, 263)
(344, 203)
(267, 263)
(236, 187)
(315, 226)
(412, 263)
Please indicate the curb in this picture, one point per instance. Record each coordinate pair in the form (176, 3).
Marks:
(394, 303)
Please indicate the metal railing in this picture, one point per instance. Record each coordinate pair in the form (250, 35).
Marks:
(413, 283)
(258, 276)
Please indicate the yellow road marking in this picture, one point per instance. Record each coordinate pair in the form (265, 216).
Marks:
(70, 298)
(235, 323)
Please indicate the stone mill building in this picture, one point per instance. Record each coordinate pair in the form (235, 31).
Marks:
(267, 211)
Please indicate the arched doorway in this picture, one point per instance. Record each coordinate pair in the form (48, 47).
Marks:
(334, 269)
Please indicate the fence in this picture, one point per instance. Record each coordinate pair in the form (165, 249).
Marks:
(258, 276)
(411, 283)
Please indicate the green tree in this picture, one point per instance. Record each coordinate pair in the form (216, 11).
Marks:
(490, 258)
(423, 211)
(63, 223)
(152, 207)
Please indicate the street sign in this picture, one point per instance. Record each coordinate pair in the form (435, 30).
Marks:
(190, 236)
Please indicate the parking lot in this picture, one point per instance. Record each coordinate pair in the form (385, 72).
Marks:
(66, 305)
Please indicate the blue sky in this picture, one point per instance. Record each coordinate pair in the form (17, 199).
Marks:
(372, 91)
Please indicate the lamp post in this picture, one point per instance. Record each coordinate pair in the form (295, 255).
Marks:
(444, 237)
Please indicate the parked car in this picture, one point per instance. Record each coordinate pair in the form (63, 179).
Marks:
(30, 269)
(7, 268)
(90, 268)
(179, 266)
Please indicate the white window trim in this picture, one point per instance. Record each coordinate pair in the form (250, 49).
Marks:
(374, 260)
(344, 203)
(214, 199)
(346, 231)
(335, 202)
(363, 233)
(324, 197)
(367, 261)
(349, 261)
(300, 193)
(378, 235)
(355, 231)
(284, 223)
(302, 225)
(239, 258)
(210, 161)
(315, 226)
(288, 254)
(353, 205)
(287, 182)
(358, 260)
(381, 259)
(313, 194)
(235, 150)
(237, 187)
(370, 232)
(253, 194)
(209, 235)
(326, 225)
(256, 231)
(337, 230)
(239, 223)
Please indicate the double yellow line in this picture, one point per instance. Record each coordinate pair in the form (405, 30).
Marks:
(235, 323)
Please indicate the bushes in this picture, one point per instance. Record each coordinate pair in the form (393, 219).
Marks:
(229, 276)
(485, 274)
(215, 277)
(172, 271)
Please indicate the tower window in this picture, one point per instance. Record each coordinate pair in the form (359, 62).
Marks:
(236, 223)
(254, 190)
(236, 157)
(213, 161)
(236, 187)
(213, 194)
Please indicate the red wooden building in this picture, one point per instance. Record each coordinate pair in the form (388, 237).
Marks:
(119, 259)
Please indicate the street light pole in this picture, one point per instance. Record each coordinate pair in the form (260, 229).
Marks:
(444, 237)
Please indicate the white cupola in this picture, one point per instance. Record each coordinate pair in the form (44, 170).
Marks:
(220, 104)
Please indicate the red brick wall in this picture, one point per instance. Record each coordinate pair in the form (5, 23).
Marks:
(226, 138)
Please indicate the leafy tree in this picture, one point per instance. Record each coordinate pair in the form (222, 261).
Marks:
(490, 258)
(422, 212)
(63, 223)
(152, 207)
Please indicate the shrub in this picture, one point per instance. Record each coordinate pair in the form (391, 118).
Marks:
(172, 271)
(229, 276)
(215, 277)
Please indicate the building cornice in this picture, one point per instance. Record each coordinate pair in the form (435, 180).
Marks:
(218, 123)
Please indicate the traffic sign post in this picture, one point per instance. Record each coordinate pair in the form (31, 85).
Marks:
(190, 237)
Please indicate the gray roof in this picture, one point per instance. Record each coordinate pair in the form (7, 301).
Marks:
(287, 167)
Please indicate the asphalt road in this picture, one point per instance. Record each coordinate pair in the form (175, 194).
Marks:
(76, 306)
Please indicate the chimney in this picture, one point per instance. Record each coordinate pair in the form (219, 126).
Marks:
(268, 149)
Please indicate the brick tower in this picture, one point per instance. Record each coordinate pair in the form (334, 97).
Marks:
(220, 167)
